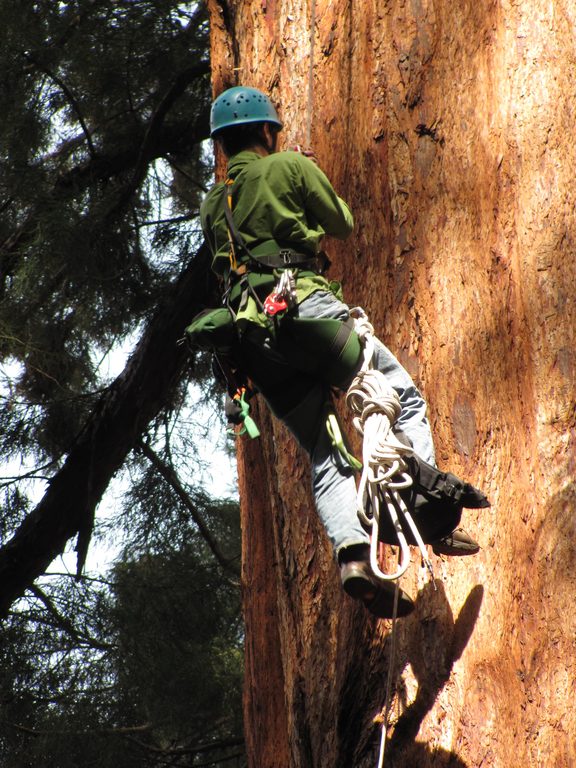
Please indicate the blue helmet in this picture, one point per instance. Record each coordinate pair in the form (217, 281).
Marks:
(240, 106)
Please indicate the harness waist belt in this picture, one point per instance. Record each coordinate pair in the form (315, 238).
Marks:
(284, 258)
(262, 283)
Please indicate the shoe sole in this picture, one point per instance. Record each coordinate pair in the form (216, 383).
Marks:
(455, 550)
(377, 596)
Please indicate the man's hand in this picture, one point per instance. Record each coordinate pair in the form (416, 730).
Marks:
(306, 151)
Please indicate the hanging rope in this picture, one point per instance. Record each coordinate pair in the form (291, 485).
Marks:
(375, 406)
(310, 106)
(382, 718)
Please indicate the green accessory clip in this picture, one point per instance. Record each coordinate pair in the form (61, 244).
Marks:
(338, 442)
(248, 424)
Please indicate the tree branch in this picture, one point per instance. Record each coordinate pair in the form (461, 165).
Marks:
(69, 95)
(152, 132)
(102, 732)
(173, 481)
(111, 432)
(64, 623)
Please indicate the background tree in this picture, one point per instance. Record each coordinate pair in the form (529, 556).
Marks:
(105, 107)
(447, 127)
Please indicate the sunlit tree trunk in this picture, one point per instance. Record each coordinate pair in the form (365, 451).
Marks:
(449, 128)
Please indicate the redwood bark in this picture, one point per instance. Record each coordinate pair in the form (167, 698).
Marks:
(448, 127)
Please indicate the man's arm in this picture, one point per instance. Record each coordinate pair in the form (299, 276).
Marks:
(329, 210)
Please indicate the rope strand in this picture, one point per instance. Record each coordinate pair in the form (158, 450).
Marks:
(310, 106)
(375, 406)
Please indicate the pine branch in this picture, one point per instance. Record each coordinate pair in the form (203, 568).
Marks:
(121, 731)
(171, 477)
(64, 623)
(69, 95)
(192, 750)
(167, 102)
(111, 432)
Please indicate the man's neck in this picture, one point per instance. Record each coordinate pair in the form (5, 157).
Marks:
(259, 149)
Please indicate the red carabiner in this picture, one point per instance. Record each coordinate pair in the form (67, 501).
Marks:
(274, 303)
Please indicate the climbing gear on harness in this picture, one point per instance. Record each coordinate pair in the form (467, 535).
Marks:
(238, 412)
(335, 434)
(241, 105)
(283, 297)
(274, 303)
(212, 329)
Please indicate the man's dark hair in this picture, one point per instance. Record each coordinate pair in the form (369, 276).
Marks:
(241, 137)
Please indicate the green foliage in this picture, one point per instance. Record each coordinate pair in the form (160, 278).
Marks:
(104, 104)
(104, 109)
(142, 671)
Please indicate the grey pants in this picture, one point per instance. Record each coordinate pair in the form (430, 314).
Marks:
(333, 482)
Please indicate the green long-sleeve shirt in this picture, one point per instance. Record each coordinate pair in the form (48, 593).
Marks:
(279, 201)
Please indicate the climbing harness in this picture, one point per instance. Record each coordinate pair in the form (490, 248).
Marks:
(283, 297)
(228, 208)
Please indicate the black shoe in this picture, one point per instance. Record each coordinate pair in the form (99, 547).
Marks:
(457, 543)
(359, 582)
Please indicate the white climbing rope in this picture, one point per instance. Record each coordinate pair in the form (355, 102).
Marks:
(376, 406)
(310, 103)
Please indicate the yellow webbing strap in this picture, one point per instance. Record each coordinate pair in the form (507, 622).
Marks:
(233, 259)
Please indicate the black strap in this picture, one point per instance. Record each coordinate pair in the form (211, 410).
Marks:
(444, 486)
(233, 232)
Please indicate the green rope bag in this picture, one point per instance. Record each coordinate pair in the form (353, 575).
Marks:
(213, 329)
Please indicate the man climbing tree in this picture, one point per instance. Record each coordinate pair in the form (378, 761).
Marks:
(295, 337)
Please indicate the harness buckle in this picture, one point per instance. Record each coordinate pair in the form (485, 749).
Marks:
(286, 255)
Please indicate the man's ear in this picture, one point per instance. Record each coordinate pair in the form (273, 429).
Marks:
(270, 135)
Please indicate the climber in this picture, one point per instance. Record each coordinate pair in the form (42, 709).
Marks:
(268, 219)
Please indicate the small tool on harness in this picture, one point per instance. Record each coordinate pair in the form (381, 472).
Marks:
(238, 413)
(337, 439)
(283, 297)
(275, 303)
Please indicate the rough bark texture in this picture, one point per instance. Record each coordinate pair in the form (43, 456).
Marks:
(448, 127)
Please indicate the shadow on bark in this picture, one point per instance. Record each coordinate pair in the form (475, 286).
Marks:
(433, 643)
(430, 641)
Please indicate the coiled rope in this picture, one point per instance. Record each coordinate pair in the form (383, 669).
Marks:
(375, 406)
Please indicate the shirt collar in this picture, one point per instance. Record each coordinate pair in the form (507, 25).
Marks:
(238, 162)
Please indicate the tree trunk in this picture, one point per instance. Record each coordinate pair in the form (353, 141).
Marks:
(448, 127)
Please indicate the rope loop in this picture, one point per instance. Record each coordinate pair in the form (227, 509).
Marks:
(375, 407)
